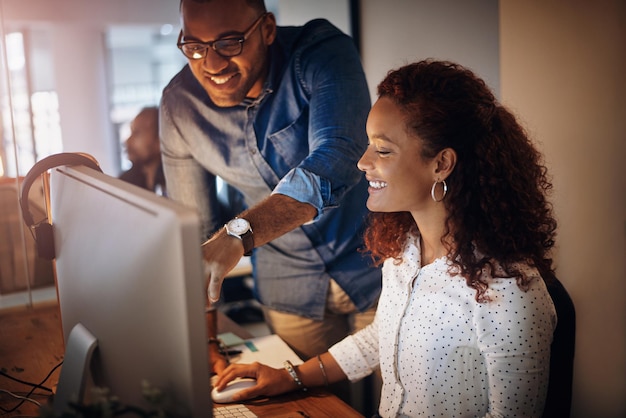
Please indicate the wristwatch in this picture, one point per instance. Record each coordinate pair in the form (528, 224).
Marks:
(240, 228)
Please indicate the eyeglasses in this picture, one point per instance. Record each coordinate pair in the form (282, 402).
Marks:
(227, 47)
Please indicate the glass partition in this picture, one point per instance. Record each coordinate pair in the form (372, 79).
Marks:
(28, 129)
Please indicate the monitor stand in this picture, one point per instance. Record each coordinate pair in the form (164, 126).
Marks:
(72, 380)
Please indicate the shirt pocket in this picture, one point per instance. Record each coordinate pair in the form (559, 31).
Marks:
(289, 146)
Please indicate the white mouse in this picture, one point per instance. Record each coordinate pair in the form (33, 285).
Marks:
(235, 386)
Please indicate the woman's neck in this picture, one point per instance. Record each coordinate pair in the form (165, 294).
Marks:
(432, 229)
(430, 251)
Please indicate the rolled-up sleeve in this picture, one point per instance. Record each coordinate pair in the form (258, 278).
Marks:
(306, 187)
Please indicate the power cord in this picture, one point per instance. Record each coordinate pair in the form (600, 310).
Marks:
(16, 396)
(33, 385)
(36, 386)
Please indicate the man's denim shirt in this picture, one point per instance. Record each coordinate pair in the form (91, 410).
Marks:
(302, 138)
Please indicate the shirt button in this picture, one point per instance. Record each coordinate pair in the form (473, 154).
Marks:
(252, 151)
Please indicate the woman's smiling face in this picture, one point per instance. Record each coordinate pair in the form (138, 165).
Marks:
(399, 177)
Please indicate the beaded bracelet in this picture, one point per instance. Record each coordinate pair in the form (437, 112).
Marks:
(319, 360)
(294, 375)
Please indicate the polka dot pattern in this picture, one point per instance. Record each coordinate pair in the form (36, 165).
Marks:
(442, 354)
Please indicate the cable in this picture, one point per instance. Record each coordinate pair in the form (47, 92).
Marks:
(34, 385)
(23, 398)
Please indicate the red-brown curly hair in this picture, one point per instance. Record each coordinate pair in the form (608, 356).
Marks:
(497, 194)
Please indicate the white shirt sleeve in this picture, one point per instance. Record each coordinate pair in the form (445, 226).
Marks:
(357, 354)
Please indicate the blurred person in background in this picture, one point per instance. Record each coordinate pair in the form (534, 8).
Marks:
(144, 152)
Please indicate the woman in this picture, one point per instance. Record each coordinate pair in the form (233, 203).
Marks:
(461, 225)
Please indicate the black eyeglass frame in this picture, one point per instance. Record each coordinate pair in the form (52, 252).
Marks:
(214, 45)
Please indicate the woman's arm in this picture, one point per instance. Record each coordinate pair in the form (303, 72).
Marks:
(317, 371)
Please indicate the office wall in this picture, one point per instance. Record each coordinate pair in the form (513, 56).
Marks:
(298, 12)
(563, 66)
(396, 32)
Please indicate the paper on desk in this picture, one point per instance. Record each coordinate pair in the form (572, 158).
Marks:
(271, 350)
(229, 339)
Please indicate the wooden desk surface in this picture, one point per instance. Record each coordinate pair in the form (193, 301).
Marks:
(31, 346)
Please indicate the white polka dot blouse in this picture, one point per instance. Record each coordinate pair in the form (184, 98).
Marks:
(442, 354)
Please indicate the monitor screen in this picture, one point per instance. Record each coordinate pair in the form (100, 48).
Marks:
(130, 284)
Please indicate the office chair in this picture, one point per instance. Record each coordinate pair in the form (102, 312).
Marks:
(559, 398)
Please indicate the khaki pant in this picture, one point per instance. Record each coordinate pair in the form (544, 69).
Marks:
(309, 337)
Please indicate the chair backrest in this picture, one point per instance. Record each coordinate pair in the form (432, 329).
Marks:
(559, 398)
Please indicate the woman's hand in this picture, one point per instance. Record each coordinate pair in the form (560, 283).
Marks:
(269, 381)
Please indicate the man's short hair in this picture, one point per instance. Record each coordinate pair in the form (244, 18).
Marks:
(258, 5)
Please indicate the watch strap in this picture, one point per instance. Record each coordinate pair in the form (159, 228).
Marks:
(248, 242)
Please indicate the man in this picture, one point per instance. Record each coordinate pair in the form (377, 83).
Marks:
(279, 114)
(144, 151)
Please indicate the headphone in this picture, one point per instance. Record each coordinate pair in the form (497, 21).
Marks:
(43, 231)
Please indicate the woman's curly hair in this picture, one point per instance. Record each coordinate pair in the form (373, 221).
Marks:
(498, 213)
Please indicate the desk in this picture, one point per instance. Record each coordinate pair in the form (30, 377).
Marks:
(315, 403)
(31, 345)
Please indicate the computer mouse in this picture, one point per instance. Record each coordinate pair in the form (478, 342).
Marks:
(235, 386)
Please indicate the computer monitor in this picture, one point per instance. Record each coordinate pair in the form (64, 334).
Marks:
(131, 292)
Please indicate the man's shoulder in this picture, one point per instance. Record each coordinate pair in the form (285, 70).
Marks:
(182, 81)
(312, 32)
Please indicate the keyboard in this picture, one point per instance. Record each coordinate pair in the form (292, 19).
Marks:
(233, 411)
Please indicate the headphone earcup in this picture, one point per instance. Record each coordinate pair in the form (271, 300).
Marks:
(44, 240)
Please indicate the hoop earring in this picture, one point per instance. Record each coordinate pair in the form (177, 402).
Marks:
(445, 190)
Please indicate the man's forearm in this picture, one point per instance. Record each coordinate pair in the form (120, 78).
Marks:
(270, 219)
(275, 216)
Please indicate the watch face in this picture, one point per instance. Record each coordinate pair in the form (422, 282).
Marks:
(238, 226)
